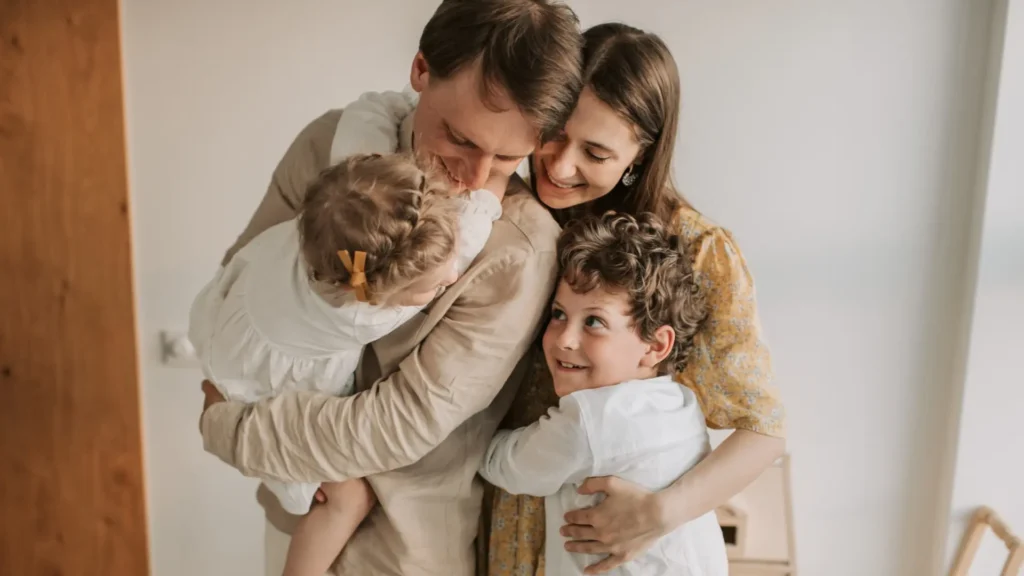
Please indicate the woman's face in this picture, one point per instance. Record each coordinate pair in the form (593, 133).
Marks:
(588, 159)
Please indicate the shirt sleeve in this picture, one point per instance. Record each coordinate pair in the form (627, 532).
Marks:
(539, 459)
(730, 369)
(371, 124)
(454, 373)
(475, 225)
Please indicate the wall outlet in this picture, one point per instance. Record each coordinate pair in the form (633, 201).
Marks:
(177, 351)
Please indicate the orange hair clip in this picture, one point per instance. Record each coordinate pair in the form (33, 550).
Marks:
(357, 271)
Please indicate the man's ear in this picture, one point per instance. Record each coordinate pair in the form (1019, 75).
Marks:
(659, 347)
(419, 76)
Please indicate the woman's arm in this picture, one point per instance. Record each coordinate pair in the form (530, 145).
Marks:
(737, 462)
(631, 519)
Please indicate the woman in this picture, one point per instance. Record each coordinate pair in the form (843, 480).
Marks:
(615, 154)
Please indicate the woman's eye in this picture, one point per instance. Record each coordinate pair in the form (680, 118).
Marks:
(596, 158)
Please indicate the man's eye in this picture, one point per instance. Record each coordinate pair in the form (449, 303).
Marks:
(459, 141)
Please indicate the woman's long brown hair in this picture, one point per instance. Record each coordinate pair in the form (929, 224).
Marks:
(633, 72)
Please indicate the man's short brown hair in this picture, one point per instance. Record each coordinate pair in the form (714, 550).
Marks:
(637, 256)
(530, 50)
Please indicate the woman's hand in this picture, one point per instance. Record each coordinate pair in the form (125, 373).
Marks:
(625, 524)
(211, 396)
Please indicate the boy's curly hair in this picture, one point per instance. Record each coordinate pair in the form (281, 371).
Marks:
(639, 257)
(391, 207)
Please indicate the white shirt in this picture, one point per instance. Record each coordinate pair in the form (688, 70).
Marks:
(260, 329)
(649, 432)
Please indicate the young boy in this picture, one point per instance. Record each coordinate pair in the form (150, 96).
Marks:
(622, 322)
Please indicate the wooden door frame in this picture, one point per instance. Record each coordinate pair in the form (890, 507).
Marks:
(72, 495)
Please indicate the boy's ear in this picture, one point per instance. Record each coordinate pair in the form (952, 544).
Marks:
(659, 347)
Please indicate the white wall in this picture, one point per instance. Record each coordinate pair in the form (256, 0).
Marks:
(834, 138)
(989, 467)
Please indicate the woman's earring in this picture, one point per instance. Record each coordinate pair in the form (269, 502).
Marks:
(629, 178)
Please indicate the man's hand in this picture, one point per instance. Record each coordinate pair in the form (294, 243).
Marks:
(211, 396)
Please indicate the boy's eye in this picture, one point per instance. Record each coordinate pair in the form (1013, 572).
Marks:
(594, 322)
(557, 314)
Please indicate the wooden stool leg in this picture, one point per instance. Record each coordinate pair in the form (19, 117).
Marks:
(969, 544)
(1014, 562)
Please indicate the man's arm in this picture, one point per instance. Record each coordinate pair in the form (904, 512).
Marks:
(304, 159)
(539, 459)
(453, 374)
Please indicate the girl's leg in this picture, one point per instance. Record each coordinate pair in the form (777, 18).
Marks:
(321, 534)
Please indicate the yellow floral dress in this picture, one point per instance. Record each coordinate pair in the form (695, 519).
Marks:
(730, 371)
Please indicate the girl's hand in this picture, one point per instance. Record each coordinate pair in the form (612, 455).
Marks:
(624, 525)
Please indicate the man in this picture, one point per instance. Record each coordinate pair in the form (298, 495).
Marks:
(494, 76)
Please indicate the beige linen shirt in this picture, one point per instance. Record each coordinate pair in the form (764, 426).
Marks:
(418, 434)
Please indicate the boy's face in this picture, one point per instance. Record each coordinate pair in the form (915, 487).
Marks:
(590, 342)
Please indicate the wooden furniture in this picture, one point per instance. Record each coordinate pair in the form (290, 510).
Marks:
(72, 497)
(733, 520)
(758, 526)
(985, 517)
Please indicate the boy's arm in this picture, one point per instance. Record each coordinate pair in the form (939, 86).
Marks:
(539, 459)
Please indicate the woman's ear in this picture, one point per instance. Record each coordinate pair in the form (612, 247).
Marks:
(659, 347)
(641, 156)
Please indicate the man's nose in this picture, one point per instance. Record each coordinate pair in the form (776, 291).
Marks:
(478, 170)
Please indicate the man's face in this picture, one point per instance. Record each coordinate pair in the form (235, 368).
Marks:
(472, 144)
